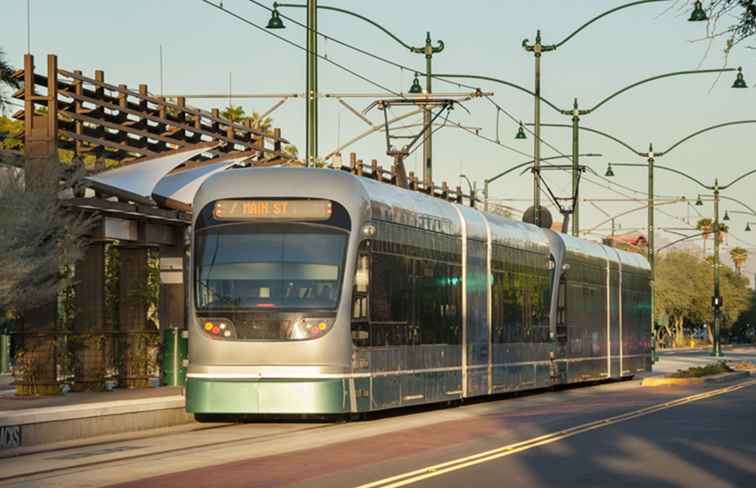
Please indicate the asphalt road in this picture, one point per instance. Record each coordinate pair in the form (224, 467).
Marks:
(617, 434)
(708, 442)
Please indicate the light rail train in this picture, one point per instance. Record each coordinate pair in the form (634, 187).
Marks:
(320, 292)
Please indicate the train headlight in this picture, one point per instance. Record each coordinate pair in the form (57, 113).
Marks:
(309, 328)
(219, 328)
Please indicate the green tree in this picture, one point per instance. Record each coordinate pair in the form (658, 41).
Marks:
(38, 238)
(6, 80)
(262, 123)
(705, 226)
(683, 289)
(680, 286)
(10, 134)
(234, 113)
(733, 21)
(739, 256)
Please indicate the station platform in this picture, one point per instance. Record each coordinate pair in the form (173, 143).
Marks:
(34, 420)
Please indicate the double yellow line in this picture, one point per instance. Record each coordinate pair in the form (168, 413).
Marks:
(508, 450)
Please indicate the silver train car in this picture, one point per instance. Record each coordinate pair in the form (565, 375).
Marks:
(320, 292)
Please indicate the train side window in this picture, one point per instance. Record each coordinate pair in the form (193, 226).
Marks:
(361, 286)
(360, 297)
(390, 288)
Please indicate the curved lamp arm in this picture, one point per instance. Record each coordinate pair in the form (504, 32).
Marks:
(707, 129)
(594, 131)
(673, 170)
(658, 77)
(608, 12)
(422, 50)
(626, 212)
(365, 19)
(513, 168)
(744, 175)
(740, 212)
(496, 80)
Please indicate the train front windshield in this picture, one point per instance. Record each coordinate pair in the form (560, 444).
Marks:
(268, 267)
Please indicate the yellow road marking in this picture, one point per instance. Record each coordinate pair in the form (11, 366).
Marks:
(466, 462)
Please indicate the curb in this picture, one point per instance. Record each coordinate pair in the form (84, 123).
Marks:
(717, 378)
(45, 425)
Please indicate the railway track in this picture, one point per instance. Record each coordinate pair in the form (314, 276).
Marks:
(99, 449)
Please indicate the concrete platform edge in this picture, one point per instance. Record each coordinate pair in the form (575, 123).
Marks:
(86, 410)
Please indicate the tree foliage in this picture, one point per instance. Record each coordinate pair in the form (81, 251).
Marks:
(39, 238)
(739, 256)
(734, 21)
(683, 290)
(6, 80)
(11, 137)
(236, 113)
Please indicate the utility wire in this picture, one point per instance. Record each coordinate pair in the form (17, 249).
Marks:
(399, 94)
(303, 48)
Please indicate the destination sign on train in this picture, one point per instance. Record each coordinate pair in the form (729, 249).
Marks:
(272, 210)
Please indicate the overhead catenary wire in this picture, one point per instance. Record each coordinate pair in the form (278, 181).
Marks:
(303, 48)
(609, 184)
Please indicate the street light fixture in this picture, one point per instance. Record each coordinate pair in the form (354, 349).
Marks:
(726, 216)
(521, 132)
(651, 156)
(698, 14)
(575, 113)
(416, 88)
(739, 80)
(609, 173)
(716, 188)
(312, 122)
(538, 48)
(275, 21)
(699, 202)
(748, 227)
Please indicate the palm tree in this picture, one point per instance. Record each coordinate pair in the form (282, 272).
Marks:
(739, 256)
(264, 124)
(705, 226)
(234, 113)
(6, 79)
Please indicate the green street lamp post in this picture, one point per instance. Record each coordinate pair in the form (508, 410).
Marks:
(716, 188)
(575, 113)
(651, 155)
(428, 50)
(538, 48)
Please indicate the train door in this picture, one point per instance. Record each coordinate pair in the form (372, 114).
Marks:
(615, 320)
(561, 331)
(477, 318)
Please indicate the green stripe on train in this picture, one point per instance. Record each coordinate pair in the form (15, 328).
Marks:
(298, 396)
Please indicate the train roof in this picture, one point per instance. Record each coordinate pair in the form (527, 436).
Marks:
(595, 250)
(378, 200)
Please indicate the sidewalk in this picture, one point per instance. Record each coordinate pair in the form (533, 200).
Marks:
(672, 360)
(27, 421)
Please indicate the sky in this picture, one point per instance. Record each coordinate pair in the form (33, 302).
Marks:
(204, 47)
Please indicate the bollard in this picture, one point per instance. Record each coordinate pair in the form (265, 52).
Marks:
(175, 351)
(4, 354)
